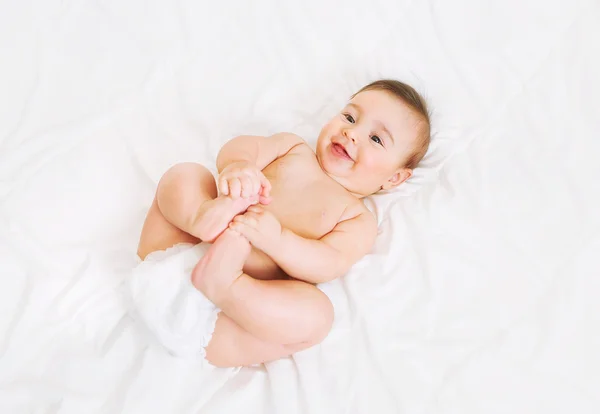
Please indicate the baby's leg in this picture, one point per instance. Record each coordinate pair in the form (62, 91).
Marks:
(187, 198)
(233, 346)
(213, 216)
(181, 190)
(282, 312)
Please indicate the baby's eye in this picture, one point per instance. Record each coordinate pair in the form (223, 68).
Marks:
(349, 118)
(376, 139)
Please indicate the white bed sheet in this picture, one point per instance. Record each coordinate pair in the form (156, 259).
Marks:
(481, 293)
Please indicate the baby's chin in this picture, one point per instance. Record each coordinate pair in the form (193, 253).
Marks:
(323, 166)
(337, 176)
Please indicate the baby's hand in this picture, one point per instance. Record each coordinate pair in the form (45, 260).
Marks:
(243, 179)
(259, 226)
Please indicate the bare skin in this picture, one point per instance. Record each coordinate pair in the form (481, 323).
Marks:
(290, 218)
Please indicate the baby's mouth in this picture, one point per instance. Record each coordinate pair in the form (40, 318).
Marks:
(340, 151)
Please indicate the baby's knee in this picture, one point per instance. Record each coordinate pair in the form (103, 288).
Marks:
(189, 175)
(321, 315)
(321, 323)
(182, 188)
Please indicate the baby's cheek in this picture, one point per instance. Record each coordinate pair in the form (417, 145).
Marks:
(329, 127)
(376, 167)
(372, 162)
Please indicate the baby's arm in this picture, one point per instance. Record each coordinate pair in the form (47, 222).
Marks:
(257, 150)
(326, 259)
(241, 160)
(313, 261)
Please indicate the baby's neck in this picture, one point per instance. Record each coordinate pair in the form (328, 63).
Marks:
(357, 195)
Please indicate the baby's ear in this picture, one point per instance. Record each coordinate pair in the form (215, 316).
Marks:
(398, 178)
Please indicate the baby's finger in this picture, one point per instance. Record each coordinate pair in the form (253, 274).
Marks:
(223, 187)
(265, 184)
(235, 187)
(251, 216)
(251, 234)
(246, 183)
(255, 184)
(249, 182)
(248, 220)
(255, 209)
(243, 229)
(264, 200)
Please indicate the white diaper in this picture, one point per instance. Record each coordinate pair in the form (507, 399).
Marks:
(163, 298)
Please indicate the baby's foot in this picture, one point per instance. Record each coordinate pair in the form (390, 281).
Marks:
(221, 265)
(215, 215)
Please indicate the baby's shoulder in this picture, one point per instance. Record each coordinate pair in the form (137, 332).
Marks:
(288, 140)
(296, 148)
(356, 209)
(299, 144)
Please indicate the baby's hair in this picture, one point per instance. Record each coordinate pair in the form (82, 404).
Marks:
(415, 101)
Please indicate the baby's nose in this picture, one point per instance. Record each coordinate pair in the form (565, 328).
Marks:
(350, 134)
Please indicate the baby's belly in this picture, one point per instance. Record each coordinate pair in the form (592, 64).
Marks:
(260, 266)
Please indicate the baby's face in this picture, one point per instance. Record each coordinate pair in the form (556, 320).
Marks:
(364, 146)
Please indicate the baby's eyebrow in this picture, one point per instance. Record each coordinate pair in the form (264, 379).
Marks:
(355, 106)
(386, 131)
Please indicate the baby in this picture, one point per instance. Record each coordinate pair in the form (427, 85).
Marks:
(283, 218)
